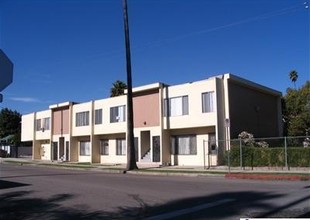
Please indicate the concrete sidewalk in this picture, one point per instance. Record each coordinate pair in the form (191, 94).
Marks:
(262, 173)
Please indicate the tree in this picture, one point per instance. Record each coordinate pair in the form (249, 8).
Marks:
(10, 124)
(131, 155)
(118, 88)
(296, 110)
(293, 77)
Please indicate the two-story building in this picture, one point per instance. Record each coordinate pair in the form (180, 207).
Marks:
(177, 125)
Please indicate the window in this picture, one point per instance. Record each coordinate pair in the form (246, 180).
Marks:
(120, 147)
(43, 124)
(207, 102)
(98, 116)
(176, 106)
(82, 119)
(46, 124)
(184, 145)
(117, 114)
(104, 147)
(38, 125)
(84, 148)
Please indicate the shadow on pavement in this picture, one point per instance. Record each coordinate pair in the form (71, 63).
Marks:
(20, 205)
(9, 184)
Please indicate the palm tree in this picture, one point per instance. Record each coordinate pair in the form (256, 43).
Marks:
(118, 88)
(131, 156)
(293, 77)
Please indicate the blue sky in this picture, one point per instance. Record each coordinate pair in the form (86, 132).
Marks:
(73, 50)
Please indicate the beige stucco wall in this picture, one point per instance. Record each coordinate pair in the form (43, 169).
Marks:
(82, 130)
(112, 157)
(195, 118)
(43, 134)
(201, 158)
(27, 131)
(106, 127)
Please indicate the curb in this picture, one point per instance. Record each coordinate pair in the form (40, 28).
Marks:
(268, 176)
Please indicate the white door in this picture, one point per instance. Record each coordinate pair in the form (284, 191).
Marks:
(45, 152)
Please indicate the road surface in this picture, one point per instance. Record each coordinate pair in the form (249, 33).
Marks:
(32, 192)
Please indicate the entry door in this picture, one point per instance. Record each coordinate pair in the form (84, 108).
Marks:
(156, 148)
(67, 151)
(55, 151)
(62, 148)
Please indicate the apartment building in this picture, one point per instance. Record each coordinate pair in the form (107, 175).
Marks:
(179, 125)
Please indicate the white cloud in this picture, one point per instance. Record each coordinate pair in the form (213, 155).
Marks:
(24, 99)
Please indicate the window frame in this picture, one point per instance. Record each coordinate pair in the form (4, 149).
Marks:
(98, 116)
(116, 112)
(121, 148)
(169, 108)
(175, 145)
(208, 102)
(84, 152)
(82, 119)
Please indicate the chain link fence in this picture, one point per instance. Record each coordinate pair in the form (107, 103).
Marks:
(280, 153)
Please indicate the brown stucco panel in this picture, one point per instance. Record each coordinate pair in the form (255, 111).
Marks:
(146, 109)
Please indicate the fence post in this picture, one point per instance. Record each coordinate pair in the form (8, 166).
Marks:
(204, 155)
(228, 160)
(240, 144)
(285, 152)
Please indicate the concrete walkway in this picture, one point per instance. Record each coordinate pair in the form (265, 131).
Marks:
(262, 173)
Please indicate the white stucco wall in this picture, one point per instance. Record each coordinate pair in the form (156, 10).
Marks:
(107, 127)
(46, 133)
(82, 130)
(27, 127)
(194, 91)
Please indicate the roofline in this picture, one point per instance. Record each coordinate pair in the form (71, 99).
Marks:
(251, 84)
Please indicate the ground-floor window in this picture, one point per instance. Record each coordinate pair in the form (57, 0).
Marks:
(184, 145)
(121, 147)
(84, 148)
(104, 147)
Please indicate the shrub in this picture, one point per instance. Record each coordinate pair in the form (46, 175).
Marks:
(269, 157)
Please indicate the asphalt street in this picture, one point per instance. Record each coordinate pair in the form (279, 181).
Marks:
(32, 192)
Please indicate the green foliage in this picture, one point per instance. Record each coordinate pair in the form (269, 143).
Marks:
(270, 157)
(118, 88)
(10, 124)
(296, 110)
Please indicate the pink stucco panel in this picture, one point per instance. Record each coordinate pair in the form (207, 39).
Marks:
(146, 109)
(61, 121)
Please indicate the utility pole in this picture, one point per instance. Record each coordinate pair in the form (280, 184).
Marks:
(131, 157)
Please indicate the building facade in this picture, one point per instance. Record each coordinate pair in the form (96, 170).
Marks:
(179, 125)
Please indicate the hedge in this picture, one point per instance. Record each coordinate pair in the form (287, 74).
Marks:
(269, 157)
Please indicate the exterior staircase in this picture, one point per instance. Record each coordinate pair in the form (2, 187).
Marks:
(146, 157)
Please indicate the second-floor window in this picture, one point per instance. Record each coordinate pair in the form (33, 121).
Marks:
(98, 116)
(207, 102)
(176, 106)
(38, 125)
(117, 114)
(82, 119)
(43, 124)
